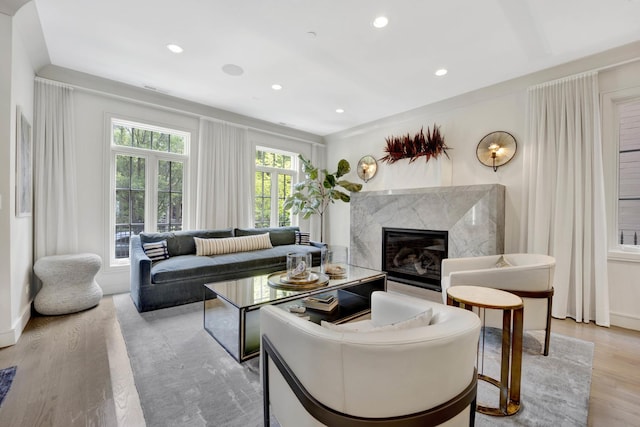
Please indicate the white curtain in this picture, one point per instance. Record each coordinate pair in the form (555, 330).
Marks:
(55, 204)
(563, 200)
(225, 175)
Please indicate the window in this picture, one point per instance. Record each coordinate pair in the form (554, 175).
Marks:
(275, 174)
(629, 172)
(148, 169)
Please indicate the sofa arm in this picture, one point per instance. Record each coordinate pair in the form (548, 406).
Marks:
(140, 269)
(317, 244)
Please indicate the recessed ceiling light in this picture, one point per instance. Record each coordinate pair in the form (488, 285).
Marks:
(339, 110)
(441, 72)
(380, 22)
(232, 69)
(276, 86)
(175, 48)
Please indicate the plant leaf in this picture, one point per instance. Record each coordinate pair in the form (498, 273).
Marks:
(343, 168)
(329, 181)
(350, 186)
(339, 195)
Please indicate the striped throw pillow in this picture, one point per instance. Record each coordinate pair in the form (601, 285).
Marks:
(156, 251)
(302, 238)
(230, 245)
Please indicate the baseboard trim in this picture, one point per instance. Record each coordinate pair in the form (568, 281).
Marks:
(12, 336)
(626, 321)
(114, 288)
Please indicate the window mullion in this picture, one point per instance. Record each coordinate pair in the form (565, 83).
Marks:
(274, 199)
(151, 199)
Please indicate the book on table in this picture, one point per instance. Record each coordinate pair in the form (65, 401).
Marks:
(325, 302)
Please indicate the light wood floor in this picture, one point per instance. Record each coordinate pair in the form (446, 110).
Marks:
(74, 371)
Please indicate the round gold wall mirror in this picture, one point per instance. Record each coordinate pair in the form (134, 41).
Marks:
(367, 168)
(496, 149)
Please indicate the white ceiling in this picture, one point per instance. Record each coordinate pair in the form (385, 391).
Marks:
(370, 73)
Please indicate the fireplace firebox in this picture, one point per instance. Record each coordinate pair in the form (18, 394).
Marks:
(414, 256)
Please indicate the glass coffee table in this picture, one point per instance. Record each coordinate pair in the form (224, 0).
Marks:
(231, 308)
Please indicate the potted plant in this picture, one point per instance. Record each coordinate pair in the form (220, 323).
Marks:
(319, 189)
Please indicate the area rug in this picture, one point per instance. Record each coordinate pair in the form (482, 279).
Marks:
(6, 378)
(554, 388)
(184, 377)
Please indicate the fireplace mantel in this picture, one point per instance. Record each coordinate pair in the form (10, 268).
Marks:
(473, 215)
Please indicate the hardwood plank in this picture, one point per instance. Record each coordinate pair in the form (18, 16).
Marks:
(127, 402)
(615, 382)
(65, 369)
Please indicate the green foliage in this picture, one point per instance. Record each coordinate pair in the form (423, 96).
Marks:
(147, 139)
(263, 186)
(320, 189)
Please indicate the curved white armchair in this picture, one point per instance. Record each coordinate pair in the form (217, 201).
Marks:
(368, 372)
(529, 276)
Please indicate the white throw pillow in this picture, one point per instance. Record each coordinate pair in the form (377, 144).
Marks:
(421, 319)
(230, 245)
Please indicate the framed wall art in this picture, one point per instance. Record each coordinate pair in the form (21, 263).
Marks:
(24, 166)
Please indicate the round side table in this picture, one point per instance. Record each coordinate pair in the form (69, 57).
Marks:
(511, 353)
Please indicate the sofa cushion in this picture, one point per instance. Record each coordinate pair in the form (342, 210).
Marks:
(208, 268)
(232, 244)
(181, 242)
(279, 235)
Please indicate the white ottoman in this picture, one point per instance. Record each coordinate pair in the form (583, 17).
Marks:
(68, 283)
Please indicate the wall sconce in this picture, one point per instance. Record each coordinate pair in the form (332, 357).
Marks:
(367, 168)
(496, 149)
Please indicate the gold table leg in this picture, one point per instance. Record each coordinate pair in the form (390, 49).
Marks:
(510, 367)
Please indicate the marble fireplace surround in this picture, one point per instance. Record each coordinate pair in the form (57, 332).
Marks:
(473, 215)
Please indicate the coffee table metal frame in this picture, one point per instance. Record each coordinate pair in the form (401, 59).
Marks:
(231, 308)
(511, 353)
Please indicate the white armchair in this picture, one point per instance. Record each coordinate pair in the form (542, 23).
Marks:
(529, 276)
(373, 370)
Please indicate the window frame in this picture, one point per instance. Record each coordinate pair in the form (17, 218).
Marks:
(275, 172)
(611, 149)
(152, 159)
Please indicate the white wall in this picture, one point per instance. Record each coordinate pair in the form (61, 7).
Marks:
(16, 244)
(464, 120)
(7, 122)
(21, 228)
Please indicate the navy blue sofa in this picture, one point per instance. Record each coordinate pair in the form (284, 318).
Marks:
(179, 278)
